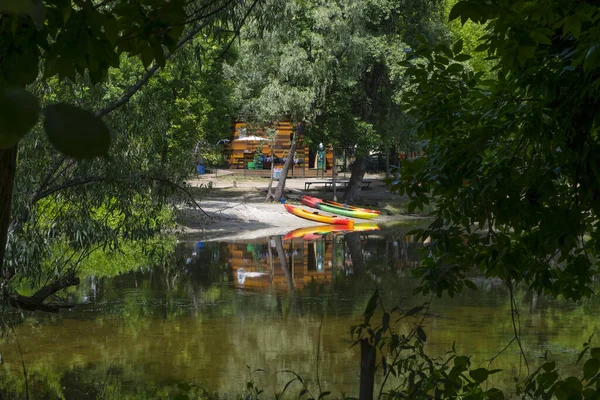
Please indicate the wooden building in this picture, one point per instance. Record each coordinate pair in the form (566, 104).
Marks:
(240, 152)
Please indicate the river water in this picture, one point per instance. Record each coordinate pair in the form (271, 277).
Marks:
(221, 314)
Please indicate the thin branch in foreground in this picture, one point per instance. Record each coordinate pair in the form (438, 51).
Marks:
(238, 30)
(12, 329)
(85, 181)
(146, 77)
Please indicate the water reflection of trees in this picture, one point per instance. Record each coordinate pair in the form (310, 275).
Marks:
(185, 316)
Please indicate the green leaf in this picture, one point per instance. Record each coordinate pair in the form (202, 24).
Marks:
(540, 37)
(479, 374)
(482, 47)
(442, 48)
(421, 334)
(385, 322)
(572, 25)
(76, 132)
(455, 68)
(458, 46)
(549, 366)
(111, 28)
(158, 52)
(590, 368)
(371, 305)
(147, 56)
(461, 361)
(595, 352)
(462, 57)
(494, 394)
(19, 112)
(461, 9)
(414, 311)
(470, 285)
(574, 383)
(581, 354)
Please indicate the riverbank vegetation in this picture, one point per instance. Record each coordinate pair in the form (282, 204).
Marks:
(105, 107)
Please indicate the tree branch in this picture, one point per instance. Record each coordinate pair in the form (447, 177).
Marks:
(85, 181)
(238, 29)
(136, 88)
(36, 302)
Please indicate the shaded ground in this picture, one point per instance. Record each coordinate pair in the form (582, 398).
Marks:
(235, 207)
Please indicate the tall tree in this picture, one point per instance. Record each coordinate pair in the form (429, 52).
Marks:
(512, 161)
(78, 43)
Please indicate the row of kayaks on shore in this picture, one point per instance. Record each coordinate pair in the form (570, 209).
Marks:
(338, 208)
(335, 223)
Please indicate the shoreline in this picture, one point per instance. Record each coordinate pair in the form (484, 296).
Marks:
(245, 221)
(237, 210)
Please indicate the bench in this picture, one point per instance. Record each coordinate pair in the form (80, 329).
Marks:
(329, 184)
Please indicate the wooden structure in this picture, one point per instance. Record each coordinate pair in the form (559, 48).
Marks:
(240, 153)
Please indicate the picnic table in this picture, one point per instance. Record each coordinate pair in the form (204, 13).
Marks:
(328, 184)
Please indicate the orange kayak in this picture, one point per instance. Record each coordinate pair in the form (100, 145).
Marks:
(315, 216)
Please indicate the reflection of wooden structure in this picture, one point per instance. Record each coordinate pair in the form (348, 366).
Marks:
(239, 152)
(255, 267)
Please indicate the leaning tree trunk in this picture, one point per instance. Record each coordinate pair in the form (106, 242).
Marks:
(8, 166)
(352, 194)
(387, 162)
(270, 187)
(286, 167)
(334, 176)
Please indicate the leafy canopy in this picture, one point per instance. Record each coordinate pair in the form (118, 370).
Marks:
(512, 162)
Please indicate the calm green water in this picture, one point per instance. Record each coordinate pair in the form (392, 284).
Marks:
(220, 308)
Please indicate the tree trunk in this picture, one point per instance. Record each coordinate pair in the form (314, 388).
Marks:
(352, 194)
(334, 176)
(286, 167)
(367, 370)
(387, 162)
(36, 302)
(270, 187)
(8, 166)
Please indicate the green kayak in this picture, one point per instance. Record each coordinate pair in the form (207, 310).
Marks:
(346, 211)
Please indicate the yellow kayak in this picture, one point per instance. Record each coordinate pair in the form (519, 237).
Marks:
(315, 216)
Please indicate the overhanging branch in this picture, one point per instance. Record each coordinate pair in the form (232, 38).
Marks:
(95, 179)
(146, 77)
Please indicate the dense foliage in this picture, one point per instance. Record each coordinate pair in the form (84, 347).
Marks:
(150, 117)
(511, 160)
(334, 66)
